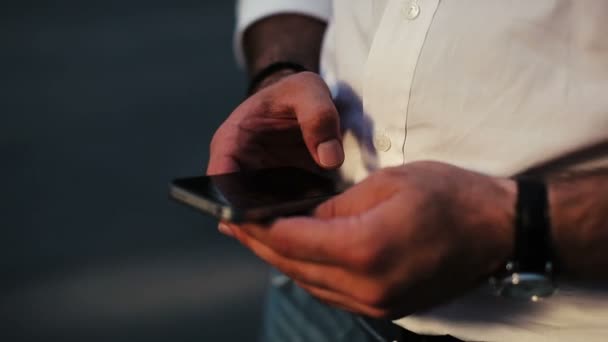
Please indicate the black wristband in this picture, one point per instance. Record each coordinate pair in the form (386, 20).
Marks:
(533, 241)
(530, 274)
(271, 69)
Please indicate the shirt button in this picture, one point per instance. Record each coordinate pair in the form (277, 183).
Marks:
(411, 10)
(382, 142)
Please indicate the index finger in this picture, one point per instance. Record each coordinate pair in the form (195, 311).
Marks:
(318, 119)
(306, 238)
(222, 164)
(343, 241)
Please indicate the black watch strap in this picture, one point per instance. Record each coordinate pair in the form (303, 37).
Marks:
(270, 69)
(533, 243)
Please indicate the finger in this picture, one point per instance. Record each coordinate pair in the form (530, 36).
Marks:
(358, 199)
(308, 239)
(328, 283)
(339, 236)
(343, 301)
(342, 232)
(319, 121)
(225, 228)
(222, 163)
(329, 277)
(221, 153)
(313, 274)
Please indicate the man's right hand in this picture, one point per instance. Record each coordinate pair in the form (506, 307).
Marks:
(292, 122)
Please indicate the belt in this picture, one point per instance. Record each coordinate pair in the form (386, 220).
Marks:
(387, 331)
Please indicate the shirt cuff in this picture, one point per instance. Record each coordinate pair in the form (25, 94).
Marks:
(250, 11)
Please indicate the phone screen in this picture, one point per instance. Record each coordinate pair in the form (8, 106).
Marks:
(255, 194)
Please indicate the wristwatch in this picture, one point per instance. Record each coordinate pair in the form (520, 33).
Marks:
(530, 273)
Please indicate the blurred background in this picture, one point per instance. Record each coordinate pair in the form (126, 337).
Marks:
(101, 104)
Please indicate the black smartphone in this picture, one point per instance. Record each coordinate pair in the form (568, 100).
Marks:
(258, 195)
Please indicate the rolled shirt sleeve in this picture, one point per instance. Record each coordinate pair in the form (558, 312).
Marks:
(250, 11)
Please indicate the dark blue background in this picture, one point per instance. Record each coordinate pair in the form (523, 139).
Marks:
(101, 104)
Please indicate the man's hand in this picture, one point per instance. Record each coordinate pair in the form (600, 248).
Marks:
(292, 122)
(403, 240)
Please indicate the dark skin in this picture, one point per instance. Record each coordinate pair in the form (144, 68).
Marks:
(291, 119)
(281, 38)
(579, 215)
(365, 250)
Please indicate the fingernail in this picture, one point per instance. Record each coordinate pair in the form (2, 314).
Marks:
(330, 153)
(225, 229)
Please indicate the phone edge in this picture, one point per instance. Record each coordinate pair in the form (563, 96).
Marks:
(216, 210)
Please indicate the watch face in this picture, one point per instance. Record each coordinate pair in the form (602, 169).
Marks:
(526, 286)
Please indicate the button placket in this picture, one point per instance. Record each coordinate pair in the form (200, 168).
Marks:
(390, 71)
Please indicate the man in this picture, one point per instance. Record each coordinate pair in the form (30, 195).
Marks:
(432, 108)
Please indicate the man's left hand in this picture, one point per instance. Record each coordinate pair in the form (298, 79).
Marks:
(405, 239)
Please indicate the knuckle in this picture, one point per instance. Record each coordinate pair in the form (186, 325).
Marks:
(304, 76)
(319, 126)
(326, 209)
(377, 296)
(374, 297)
(215, 140)
(287, 269)
(392, 173)
(327, 115)
(294, 83)
(380, 313)
(241, 237)
(390, 178)
(367, 258)
(322, 117)
(426, 164)
(381, 176)
(281, 246)
(377, 314)
(219, 144)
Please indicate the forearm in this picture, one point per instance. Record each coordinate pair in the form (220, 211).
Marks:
(579, 218)
(283, 37)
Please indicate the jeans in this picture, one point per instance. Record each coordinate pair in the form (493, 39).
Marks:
(292, 314)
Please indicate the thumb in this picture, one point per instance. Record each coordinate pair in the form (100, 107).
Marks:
(320, 125)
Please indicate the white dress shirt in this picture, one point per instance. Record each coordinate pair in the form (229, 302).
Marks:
(495, 86)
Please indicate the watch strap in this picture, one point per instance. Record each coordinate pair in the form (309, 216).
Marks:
(270, 69)
(533, 243)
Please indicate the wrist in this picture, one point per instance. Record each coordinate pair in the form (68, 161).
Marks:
(579, 212)
(269, 80)
(272, 73)
(529, 272)
(567, 209)
(503, 218)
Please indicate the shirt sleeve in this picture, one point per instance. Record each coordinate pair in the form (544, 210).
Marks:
(250, 11)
